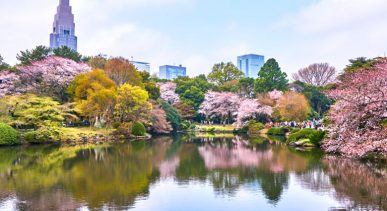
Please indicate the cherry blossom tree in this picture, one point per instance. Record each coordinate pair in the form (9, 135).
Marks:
(275, 95)
(50, 76)
(359, 116)
(168, 92)
(250, 108)
(7, 80)
(223, 105)
(160, 124)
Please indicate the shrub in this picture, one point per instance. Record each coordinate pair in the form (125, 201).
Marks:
(138, 129)
(44, 134)
(294, 130)
(8, 135)
(116, 125)
(211, 129)
(278, 131)
(124, 129)
(255, 127)
(315, 136)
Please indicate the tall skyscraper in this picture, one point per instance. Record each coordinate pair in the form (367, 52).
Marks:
(64, 27)
(250, 64)
(170, 72)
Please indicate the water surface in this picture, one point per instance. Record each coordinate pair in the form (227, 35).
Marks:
(185, 173)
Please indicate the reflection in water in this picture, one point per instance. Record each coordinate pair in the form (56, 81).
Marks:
(118, 176)
(366, 187)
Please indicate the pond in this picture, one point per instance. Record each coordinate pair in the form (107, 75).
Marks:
(187, 173)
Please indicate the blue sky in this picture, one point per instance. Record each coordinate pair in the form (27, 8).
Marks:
(199, 33)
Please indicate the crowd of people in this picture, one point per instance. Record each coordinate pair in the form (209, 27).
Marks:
(314, 124)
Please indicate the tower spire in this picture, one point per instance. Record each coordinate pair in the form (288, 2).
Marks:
(63, 27)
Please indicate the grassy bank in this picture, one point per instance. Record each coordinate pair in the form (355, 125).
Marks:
(215, 128)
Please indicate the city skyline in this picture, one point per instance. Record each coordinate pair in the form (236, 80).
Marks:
(199, 34)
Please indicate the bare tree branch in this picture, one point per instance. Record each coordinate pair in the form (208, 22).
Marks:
(319, 74)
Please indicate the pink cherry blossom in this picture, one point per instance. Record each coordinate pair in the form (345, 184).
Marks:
(275, 95)
(220, 104)
(50, 76)
(168, 92)
(250, 108)
(356, 129)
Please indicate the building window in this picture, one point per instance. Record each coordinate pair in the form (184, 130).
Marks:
(66, 32)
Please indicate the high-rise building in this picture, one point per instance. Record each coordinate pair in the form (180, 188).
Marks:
(64, 27)
(250, 64)
(141, 66)
(170, 72)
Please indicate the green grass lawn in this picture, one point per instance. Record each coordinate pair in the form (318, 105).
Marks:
(76, 133)
(218, 128)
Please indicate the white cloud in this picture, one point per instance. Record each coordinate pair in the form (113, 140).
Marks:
(334, 31)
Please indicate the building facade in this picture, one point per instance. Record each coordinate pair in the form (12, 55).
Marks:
(250, 64)
(141, 66)
(170, 72)
(64, 27)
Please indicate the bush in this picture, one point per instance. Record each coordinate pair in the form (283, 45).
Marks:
(116, 125)
(125, 129)
(44, 134)
(8, 135)
(278, 131)
(187, 125)
(138, 129)
(255, 127)
(315, 136)
(211, 130)
(295, 130)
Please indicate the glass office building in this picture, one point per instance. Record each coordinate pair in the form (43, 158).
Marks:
(170, 72)
(250, 64)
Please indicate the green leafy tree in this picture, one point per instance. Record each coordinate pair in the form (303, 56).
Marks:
(68, 53)
(153, 90)
(192, 90)
(3, 65)
(319, 102)
(270, 77)
(193, 96)
(36, 54)
(246, 87)
(173, 115)
(224, 72)
(360, 63)
(31, 111)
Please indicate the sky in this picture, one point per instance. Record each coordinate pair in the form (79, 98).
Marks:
(200, 33)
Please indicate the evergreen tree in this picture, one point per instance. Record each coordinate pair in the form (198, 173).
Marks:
(270, 77)
(36, 54)
(68, 53)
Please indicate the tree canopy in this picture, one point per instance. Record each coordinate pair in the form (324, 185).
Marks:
(224, 72)
(121, 71)
(3, 65)
(132, 104)
(36, 54)
(270, 77)
(68, 53)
